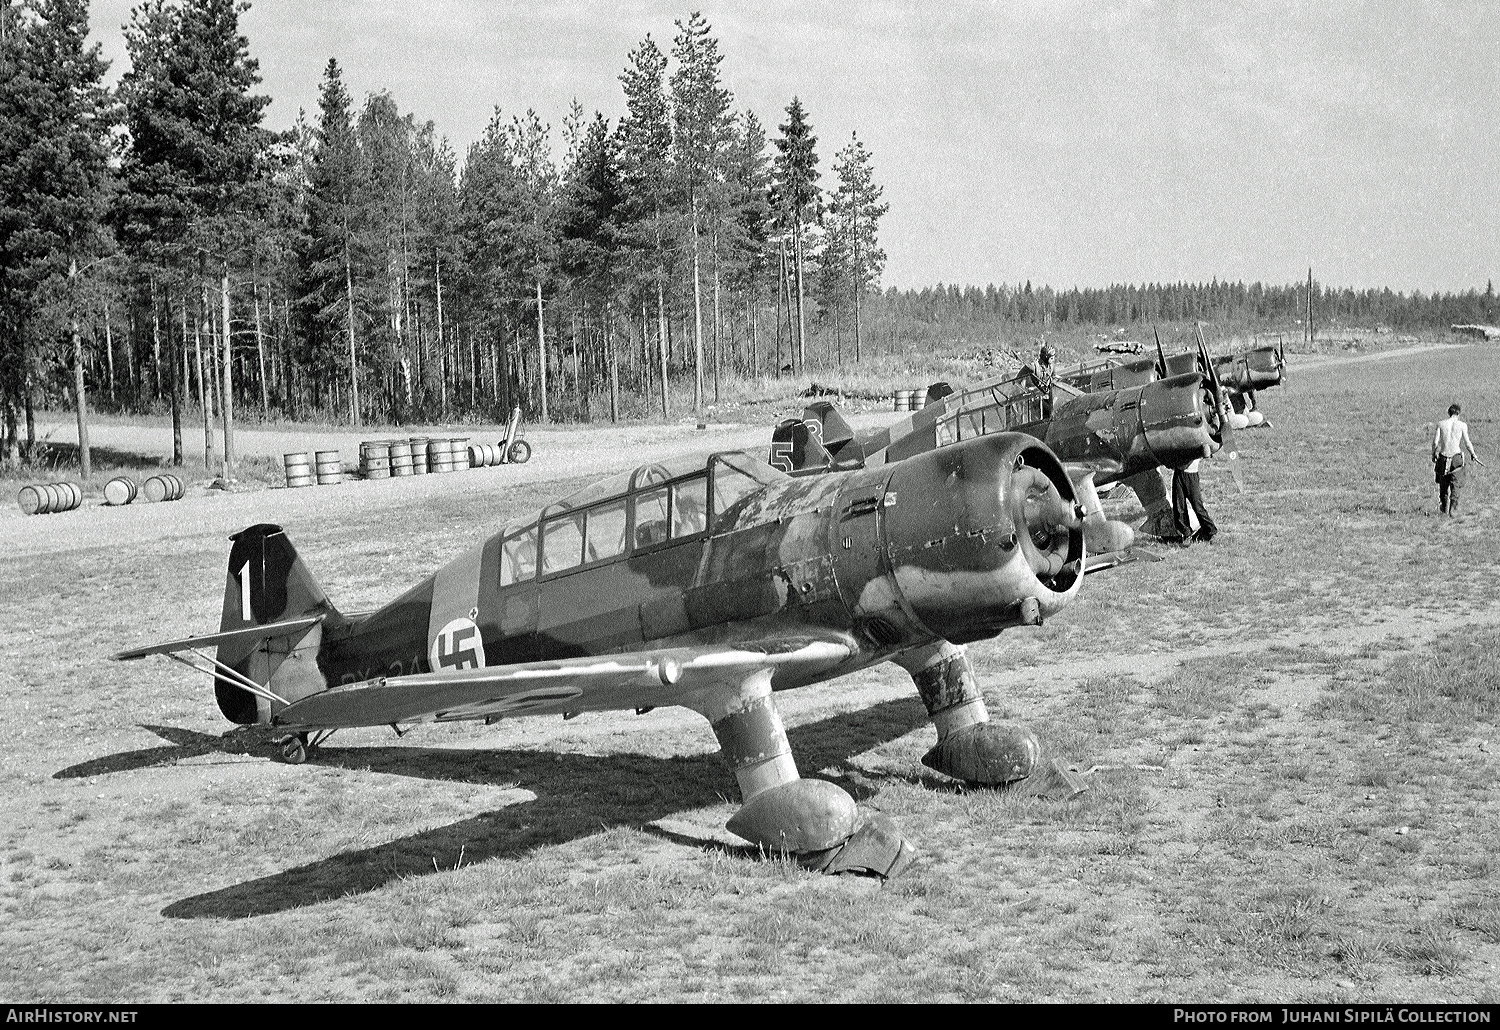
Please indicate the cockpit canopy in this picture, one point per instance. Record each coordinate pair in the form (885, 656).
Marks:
(653, 506)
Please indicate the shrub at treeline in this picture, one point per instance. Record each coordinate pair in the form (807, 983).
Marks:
(160, 249)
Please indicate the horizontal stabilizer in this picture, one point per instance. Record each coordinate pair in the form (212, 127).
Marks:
(248, 635)
(594, 683)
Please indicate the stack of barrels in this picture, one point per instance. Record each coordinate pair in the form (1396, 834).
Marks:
(908, 400)
(49, 498)
(387, 459)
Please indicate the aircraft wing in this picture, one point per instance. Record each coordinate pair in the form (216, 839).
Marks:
(613, 682)
(247, 635)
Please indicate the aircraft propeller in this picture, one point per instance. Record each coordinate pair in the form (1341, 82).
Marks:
(1221, 406)
(1161, 357)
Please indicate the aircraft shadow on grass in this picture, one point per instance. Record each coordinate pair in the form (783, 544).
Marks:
(576, 796)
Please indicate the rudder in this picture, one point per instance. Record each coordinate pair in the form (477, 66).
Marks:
(268, 582)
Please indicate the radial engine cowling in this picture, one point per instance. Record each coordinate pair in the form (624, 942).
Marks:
(983, 535)
(1178, 419)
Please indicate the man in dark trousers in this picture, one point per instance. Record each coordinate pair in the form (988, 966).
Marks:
(1448, 446)
(1185, 492)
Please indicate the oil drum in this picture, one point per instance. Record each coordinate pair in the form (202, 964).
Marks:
(400, 454)
(298, 471)
(330, 468)
(120, 490)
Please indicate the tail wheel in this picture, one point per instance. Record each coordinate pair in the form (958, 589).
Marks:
(294, 749)
(520, 452)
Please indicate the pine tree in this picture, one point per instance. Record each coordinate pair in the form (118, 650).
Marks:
(856, 211)
(488, 201)
(337, 220)
(533, 236)
(749, 228)
(196, 158)
(702, 136)
(795, 185)
(589, 223)
(55, 185)
(644, 142)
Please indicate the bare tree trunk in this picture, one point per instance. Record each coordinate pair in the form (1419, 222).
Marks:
(80, 398)
(801, 318)
(442, 351)
(228, 406)
(353, 357)
(12, 433)
(577, 396)
(156, 367)
(858, 280)
(718, 343)
(174, 389)
(613, 357)
(132, 361)
(205, 389)
(661, 343)
(260, 353)
(697, 321)
(541, 348)
(109, 348)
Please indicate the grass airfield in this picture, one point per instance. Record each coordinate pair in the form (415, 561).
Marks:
(1292, 741)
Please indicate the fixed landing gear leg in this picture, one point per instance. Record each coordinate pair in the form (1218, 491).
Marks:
(814, 820)
(969, 746)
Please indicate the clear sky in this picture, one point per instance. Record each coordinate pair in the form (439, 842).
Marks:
(1068, 142)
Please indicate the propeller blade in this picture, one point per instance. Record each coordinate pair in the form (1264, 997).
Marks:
(1227, 445)
(1161, 359)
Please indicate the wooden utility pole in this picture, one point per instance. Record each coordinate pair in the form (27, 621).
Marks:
(1310, 335)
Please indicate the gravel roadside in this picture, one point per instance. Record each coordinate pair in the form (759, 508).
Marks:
(558, 454)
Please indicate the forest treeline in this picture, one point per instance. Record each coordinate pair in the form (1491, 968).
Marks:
(161, 250)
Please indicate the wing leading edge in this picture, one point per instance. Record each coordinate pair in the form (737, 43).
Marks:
(595, 683)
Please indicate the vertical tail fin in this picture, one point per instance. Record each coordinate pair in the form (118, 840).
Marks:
(824, 420)
(267, 582)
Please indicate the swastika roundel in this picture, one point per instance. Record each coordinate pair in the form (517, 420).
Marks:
(457, 646)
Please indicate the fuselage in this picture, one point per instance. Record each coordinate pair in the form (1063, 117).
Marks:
(1119, 433)
(957, 544)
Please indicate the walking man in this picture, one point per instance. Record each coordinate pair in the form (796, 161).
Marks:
(1448, 446)
(1185, 493)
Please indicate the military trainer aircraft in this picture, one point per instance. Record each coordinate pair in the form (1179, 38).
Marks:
(706, 582)
(1239, 374)
(1117, 435)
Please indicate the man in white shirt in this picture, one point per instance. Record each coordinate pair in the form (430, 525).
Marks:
(1448, 446)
